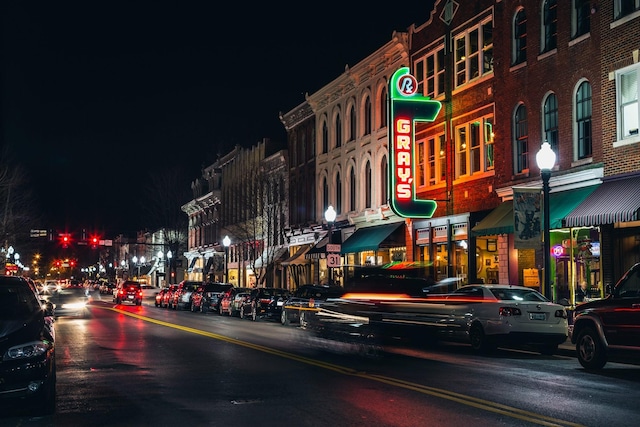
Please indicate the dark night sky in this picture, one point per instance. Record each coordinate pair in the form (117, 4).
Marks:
(95, 93)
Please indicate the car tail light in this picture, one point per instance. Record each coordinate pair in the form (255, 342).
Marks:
(265, 300)
(510, 311)
(561, 313)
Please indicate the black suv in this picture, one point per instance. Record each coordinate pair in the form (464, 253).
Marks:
(609, 326)
(130, 291)
(27, 361)
(264, 303)
(307, 299)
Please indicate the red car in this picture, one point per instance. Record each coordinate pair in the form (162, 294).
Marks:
(128, 291)
(167, 297)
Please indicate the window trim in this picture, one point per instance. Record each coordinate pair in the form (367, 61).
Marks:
(631, 138)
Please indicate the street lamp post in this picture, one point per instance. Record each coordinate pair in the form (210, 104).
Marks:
(169, 256)
(226, 242)
(330, 216)
(546, 158)
(135, 261)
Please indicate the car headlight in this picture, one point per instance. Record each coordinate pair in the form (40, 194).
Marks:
(28, 350)
(74, 305)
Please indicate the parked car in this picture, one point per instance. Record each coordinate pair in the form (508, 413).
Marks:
(609, 327)
(71, 301)
(182, 294)
(158, 297)
(305, 299)
(27, 347)
(106, 288)
(167, 297)
(484, 316)
(264, 303)
(232, 299)
(207, 297)
(128, 291)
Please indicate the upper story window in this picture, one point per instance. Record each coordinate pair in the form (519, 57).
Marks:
(520, 140)
(519, 54)
(580, 17)
(474, 148)
(627, 95)
(430, 73)
(352, 123)
(367, 116)
(433, 168)
(550, 121)
(622, 8)
(367, 185)
(383, 107)
(325, 138)
(583, 121)
(352, 189)
(474, 53)
(325, 194)
(338, 131)
(338, 193)
(549, 25)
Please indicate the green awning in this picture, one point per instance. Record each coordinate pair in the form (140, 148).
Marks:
(561, 204)
(499, 221)
(370, 238)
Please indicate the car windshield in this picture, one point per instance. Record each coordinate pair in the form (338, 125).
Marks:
(16, 301)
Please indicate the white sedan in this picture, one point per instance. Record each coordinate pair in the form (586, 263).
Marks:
(485, 316)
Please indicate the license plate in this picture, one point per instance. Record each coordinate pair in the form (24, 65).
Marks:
(537, 316)
(280, 303)
(130, 296)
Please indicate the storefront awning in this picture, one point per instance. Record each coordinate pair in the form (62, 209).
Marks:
(298, 257)
(500, 220)
(369, 238)
(318, 251)
(615, 200)
(269, 256)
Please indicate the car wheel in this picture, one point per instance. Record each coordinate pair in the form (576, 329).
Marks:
(590, 350)
(479, 341)
(242, 312)
(283, 318)
(139, 302)
(220, 310)
(254, 312)
(302, 319)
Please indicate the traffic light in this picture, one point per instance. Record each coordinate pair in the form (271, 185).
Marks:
(65, 240)
(94, 241)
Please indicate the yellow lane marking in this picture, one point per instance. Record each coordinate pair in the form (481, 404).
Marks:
(463, 399)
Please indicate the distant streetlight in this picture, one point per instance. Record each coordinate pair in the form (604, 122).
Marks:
(135, 261)
(546, 159)
(330, 217)
(169, 256)
(226, 242)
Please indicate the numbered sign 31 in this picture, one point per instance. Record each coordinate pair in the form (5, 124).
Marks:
(333, 260)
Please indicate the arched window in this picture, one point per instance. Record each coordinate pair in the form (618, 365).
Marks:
(352, 189)
(367, 185)
(549, 25)
(352, 123)
(325, 138)
(338, 194)
(519, 38)
(383, 107)
(325, 194)
(338, 131)
(550, 124)
(521, 140)
(583, 120)
(367, 116)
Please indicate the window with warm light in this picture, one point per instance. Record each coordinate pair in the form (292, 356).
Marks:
(473, 52)
(474, 147)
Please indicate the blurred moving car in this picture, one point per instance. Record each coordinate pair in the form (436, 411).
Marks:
(264, 303)
(306, 299)
(128, 291)
(107, 288)
(610, 327)
(232, 299)
(485, 316)
(182, 294)
(71, 301)
(208, 296)
(27, 347)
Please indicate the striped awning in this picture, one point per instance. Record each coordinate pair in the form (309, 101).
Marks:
(615, 200)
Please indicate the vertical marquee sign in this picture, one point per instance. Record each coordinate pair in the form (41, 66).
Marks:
(406, 108)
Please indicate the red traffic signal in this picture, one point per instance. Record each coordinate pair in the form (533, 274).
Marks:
(65, 240)
(94, 241)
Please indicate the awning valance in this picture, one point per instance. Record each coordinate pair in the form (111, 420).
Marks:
(318, 251)
(298, 257)
(371, 238)
(615, 200)
(500, 220)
